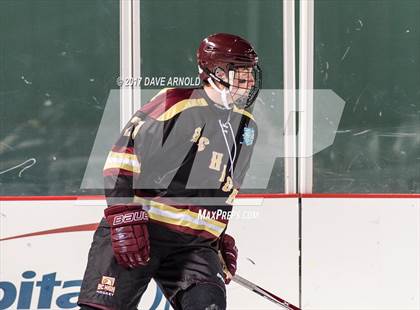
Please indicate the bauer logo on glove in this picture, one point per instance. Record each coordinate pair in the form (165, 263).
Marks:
(130, 217)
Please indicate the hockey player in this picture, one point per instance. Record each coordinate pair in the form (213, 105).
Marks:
(170, 181)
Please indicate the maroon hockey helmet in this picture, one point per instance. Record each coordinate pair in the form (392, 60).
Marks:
(228, 52)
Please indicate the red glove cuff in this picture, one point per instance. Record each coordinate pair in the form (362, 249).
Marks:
(123, 215)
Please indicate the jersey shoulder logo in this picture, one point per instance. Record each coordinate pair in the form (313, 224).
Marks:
(248, 136)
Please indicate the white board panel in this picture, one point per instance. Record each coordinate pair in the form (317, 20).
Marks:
(360, 254)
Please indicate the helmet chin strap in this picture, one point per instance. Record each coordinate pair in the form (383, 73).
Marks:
(223, 94)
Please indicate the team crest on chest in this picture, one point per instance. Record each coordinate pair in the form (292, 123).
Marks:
(248, 136)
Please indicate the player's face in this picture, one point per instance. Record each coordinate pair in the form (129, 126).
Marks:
(243, 81)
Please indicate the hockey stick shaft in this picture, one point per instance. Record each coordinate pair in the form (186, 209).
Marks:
(264, 293)
(255, 288)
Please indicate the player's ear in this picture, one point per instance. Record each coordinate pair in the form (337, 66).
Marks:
(220, 73)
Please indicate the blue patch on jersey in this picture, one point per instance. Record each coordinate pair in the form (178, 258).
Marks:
(248, 136)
